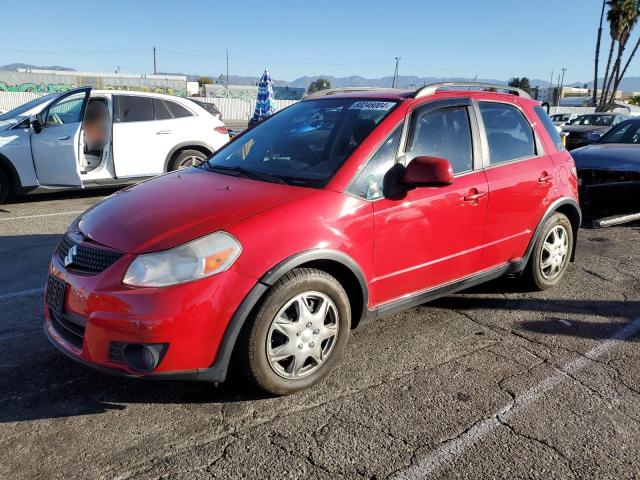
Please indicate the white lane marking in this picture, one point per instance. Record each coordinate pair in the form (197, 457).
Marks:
(10, 336)
(25, 217)
(23, 293)
(452, 449)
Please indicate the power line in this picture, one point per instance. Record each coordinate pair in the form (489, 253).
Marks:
(75, 52)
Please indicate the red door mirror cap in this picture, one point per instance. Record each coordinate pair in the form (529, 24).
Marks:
(428, 172)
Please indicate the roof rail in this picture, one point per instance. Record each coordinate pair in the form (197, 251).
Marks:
(336, 91)
(434, 87)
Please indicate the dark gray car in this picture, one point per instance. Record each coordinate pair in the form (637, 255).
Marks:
(589, 128)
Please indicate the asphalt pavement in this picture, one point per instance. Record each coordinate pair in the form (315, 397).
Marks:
(496, 382)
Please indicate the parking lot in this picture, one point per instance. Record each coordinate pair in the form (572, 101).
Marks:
(495, 382)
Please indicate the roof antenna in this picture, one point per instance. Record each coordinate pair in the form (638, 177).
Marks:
(473, 81)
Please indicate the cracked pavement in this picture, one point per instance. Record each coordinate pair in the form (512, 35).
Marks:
(495, 382)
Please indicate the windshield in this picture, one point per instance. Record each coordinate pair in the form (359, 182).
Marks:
(19, 113)
(598, 120)
(627, 132)
(304, 144)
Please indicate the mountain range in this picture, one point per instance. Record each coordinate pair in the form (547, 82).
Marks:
(629, 84)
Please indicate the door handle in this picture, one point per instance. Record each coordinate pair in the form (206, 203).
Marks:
(545, 178)
(474, 197)
(164, 132)
(64, 137)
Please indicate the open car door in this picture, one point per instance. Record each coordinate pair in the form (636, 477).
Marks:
(55, 139)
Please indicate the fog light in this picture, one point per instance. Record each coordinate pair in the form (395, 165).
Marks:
(144, 357)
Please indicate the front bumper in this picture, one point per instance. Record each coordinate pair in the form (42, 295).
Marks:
(191, 318)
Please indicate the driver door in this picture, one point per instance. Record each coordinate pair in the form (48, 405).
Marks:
(432, 236)
(55, 147)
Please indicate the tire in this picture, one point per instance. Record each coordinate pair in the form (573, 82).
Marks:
(263, 337)
(4, 186)
(187, 158)
(549, 261)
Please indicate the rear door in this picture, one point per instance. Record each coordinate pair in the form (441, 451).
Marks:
(521, 180)
(56, 147)
(433, 235)
(137, 150)
(175, 125)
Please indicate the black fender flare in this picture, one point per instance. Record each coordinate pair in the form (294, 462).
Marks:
(218, 370)
(14, 177)
(558, 205)
(181, 146)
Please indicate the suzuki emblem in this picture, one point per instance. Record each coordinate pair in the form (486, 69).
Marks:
(73, 251)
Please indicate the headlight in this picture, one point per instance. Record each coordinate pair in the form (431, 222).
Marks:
(200, 258)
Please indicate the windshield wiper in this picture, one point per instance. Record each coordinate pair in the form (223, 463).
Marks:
(247, 173)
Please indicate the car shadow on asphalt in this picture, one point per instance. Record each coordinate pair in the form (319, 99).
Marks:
(60, 195)
(56, 387)
(560, 314)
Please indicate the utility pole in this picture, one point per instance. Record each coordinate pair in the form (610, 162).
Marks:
(227, 68)
(395, 73)
(560, 89)
(154, 60)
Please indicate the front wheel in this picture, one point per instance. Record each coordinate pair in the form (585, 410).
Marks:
(298, 334)
(551, 253)
(4, 186)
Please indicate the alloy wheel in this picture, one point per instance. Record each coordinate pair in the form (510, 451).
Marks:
(191, 161)
(554, 252)
(302, 335)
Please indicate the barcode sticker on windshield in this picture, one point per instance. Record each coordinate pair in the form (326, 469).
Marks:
(371, 105)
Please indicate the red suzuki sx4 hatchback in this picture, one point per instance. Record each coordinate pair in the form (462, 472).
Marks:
(344, 207)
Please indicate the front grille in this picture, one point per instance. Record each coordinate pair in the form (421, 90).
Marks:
(69, 331)
(116, 352)
(85, 258)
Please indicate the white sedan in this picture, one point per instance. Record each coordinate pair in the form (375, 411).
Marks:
(90, 138)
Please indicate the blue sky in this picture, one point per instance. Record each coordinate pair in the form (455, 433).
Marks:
(489, 38)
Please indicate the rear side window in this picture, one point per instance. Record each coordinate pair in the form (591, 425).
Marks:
(161, 110)
(177, 110)
(130, 108)
(551, 129)
(444, 133)
(509, 134)
(166, 110)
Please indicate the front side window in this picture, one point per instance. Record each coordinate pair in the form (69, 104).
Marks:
(628, 132)
(596, 120)
(130, 108)
(444, 133)
(67, 110)
(509, 134)
(304, 144)
(369, 181)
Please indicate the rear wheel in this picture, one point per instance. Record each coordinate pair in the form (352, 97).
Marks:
(551, 253)
(188, 158)
(4, 186)
(298, 334)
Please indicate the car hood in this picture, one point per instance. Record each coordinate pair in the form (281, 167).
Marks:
(175, 208)
(586, 128)
(608, 156)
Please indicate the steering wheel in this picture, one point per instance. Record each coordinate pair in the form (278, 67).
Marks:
(54, 120)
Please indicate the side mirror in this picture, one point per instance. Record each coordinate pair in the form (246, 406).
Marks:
(36, 122)
(428, 172)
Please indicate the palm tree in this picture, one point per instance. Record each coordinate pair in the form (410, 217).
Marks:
(613, 20)
(633, 15)
(595, 70)
(622, 17)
